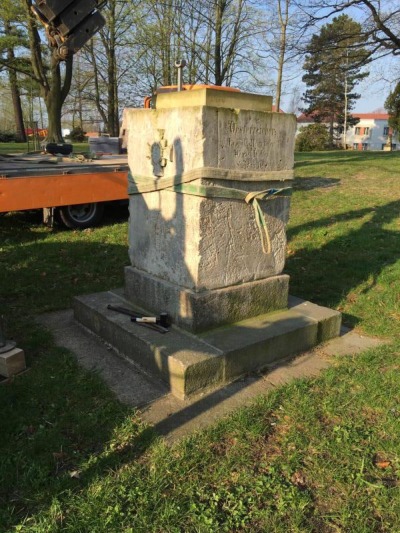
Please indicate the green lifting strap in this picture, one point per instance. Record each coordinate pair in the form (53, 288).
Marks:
(214, 191)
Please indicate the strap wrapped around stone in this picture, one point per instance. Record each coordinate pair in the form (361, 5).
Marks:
(228, 193)
(138, 184)
(142, 184)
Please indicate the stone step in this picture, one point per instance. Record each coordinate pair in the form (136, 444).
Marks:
(189, 363)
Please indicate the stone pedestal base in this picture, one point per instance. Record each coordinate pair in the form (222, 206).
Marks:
(191, 364)
(200, 311)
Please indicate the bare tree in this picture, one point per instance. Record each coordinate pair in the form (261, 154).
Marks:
(380, 20)
(11, 39)
(43, 68)
(13, 81)
(283, 42)
(228, 32)
(53, 78)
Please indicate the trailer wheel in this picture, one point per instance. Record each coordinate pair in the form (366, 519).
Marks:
(81, 216)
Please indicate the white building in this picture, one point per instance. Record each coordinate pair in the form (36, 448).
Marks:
(370, 133)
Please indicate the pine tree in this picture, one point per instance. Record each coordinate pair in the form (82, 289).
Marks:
(392, 105)
(12, 39)
(334, 65)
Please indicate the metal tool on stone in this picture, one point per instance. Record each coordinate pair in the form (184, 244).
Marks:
(5, 345)
(160, 323)
(180, 65)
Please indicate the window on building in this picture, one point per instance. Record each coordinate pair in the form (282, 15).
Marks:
(357, 131)
(386, 130)
(366, 131)
(365, 146)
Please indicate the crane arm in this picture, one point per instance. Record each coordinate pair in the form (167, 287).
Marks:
(69, 23)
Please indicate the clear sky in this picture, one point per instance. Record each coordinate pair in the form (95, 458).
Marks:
(384, 74)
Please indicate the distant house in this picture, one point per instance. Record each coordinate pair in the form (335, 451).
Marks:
(372, 132)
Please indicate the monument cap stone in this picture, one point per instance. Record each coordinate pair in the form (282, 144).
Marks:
(214, 98)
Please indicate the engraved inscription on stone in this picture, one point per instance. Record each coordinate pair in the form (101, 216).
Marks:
(249, 144)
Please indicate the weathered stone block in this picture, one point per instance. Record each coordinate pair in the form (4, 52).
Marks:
(185, 363)
(254, 343)
(12, 362)
(190, 364)
(199, 311)
(184, 248)
(202, 243)
(329, 320)
(214, 98)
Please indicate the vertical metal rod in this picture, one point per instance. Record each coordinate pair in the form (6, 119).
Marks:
(180, 66)
(180, 82)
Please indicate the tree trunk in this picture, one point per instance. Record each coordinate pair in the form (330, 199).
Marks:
(15, 94)
(331, 124)
(16, 100)
(283, 22)
(219, 11)
(54, 86)
(53, 106)
(96, 96)
(54, 97)
(112, 111)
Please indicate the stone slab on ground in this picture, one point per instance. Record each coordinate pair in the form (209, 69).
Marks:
(12, 362)
(191, 363)
(174, 418)
(329, 320)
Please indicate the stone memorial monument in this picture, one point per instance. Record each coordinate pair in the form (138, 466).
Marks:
(201, 247)
(210, 182)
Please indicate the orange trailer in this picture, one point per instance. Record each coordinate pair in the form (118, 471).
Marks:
(72, 190)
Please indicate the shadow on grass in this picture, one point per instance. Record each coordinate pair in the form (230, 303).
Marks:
(21, 227)
(45, 276)
(27, 226)
(339, 157)
(315, 182)
(328, 274)
(60, 429)
(57, 420)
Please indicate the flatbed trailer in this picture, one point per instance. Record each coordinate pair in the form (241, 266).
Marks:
(71, 190)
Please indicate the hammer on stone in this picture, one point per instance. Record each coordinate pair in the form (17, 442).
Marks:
(160, 323)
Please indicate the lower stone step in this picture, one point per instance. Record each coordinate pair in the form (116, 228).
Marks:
(191, 363)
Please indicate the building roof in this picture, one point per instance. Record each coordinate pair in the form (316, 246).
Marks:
(375, 116)
(303, 118)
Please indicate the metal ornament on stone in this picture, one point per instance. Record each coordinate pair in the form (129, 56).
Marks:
(5, 345)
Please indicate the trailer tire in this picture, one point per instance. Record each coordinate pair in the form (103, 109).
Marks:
(81, 216)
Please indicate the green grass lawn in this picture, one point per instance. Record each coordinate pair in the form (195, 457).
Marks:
(318, 455)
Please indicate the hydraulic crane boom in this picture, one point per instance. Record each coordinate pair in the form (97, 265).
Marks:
(69, 23)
